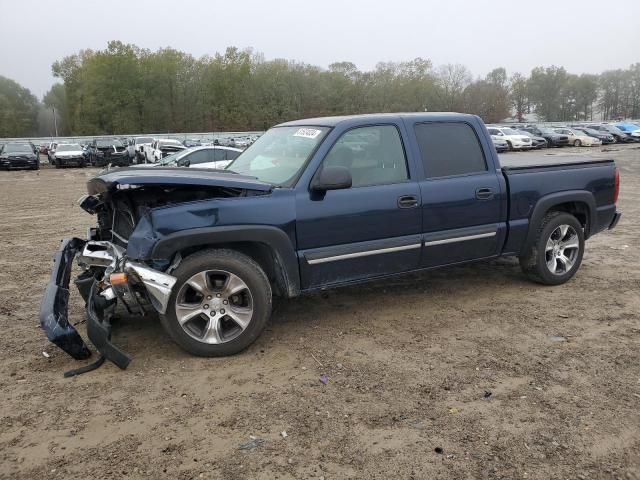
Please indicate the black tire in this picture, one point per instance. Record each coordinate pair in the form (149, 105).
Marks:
(534, 261)
(577, 143)
(510, 146)
(57, 164)
(249, 272)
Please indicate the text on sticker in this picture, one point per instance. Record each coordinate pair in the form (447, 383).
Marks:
(307, 132)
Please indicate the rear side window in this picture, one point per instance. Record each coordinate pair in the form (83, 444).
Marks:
(232, 154)
(449, 149)
(219, 154)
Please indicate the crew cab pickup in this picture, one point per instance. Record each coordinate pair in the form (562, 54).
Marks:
(316, 204)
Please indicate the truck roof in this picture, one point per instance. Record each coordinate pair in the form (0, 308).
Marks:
(373, 117)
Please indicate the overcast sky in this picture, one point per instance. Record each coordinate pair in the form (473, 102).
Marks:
(583, 36)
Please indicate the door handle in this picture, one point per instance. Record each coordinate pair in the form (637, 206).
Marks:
(408, 201)
(484, 193)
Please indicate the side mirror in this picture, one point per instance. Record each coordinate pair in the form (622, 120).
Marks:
(332, 178)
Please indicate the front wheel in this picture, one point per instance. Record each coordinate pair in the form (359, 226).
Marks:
(577, 143)
(220, 304)
(556, 252)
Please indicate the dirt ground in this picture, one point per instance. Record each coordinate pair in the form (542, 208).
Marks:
(464, 373)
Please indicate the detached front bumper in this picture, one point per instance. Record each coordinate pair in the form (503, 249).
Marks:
(138, 287)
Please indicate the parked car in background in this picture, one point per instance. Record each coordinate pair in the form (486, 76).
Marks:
(43, 148)
(630, 129)
(500, 144)
(604, 137)
(536, 141)
(69, 154)
(553, 138)
(51, 149)
(619, 135)
(217, 157)
(578, 138)
(139, 143)
(192, 142)
(15, 156)
(107, 151)
(514, 140)
(161, 148)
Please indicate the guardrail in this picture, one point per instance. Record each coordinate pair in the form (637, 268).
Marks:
(208, 136)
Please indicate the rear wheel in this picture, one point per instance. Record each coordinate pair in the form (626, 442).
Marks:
(556, 252)
(219, 305)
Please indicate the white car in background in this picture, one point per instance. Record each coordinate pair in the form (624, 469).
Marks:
(136, 149)
(69, 154)
(515, 140)
(215, 156)
(161, 148)
(578, 138)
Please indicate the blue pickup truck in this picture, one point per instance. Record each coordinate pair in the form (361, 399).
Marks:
(316, 204)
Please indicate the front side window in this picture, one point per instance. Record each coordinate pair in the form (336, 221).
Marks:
(374, 155)
(279, 155)
(199, 156)
(449, 149)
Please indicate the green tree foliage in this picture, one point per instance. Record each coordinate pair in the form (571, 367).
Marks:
(489, 98)
(519, 95)
(18, 110)
(125, 89)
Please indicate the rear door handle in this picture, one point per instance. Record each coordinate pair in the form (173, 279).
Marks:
(408, 201)
(484, 193)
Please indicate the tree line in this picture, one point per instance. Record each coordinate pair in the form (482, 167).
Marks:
(127, 89)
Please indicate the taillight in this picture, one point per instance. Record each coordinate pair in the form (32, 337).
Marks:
(616, 186)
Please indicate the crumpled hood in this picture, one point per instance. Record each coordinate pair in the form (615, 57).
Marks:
(173, 176)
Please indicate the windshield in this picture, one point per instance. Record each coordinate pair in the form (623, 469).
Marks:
(613, 129)
(70, 147)
(108, 143)
(509, 131)
(169, 143)
(17, 148)
(547, 131)
(278, 155)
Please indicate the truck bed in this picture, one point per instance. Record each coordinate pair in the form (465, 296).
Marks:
(527, 161)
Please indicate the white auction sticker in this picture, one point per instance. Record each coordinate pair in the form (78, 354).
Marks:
(307, 132)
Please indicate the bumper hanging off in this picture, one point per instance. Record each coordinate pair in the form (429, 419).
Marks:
(137, 285)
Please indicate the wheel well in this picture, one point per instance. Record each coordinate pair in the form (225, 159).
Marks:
(580, 210)
(261, 253)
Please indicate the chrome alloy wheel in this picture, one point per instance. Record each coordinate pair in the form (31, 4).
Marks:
(562, 249)
(214, 306)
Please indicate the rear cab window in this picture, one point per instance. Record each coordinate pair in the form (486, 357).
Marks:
(450, 149)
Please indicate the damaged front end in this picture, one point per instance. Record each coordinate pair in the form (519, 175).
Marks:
(134, 208)
(108, 279)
